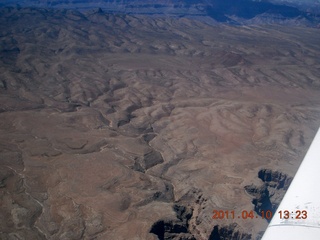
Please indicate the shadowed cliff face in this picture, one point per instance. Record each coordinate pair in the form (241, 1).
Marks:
(115, 126)
(177, 229)
(228, 232)
(268, 196)
(248, 9)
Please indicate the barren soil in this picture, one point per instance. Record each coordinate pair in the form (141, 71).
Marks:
(127, 127)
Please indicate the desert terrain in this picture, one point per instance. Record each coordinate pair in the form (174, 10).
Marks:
(118, 127)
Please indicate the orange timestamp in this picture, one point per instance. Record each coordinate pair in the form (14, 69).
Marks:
(283, 214)
(230, 214)
(297, 214)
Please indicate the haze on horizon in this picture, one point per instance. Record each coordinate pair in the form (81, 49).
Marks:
(177, 1)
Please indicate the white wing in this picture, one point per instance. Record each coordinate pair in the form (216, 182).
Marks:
(300, 207)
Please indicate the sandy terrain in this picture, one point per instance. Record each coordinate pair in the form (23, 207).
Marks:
(119, 127)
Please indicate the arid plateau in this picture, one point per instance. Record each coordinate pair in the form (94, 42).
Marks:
(117, 127)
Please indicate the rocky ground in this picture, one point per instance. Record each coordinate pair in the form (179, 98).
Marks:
(136, 127)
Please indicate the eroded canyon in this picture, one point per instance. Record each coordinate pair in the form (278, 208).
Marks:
(138, 127)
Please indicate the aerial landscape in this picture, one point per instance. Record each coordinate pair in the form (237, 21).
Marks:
(182, 120)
